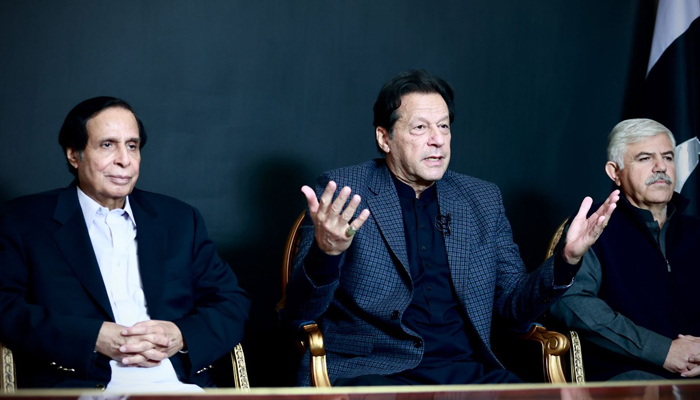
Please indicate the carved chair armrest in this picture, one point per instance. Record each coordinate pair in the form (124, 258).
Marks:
(8, 382)
(313, 340)
(554, 347)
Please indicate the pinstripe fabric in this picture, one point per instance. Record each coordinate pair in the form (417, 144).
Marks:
(355, 311)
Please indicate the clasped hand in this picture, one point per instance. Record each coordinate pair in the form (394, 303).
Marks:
(145, 344)
(331, 222)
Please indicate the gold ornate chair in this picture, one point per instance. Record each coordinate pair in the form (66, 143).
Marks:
(8, 381)
(554, 345)
(575, 359)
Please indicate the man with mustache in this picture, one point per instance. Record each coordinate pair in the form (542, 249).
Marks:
(104, 285)
(635, 299)
(406, 289)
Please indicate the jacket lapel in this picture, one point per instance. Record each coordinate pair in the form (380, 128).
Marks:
(74, 241)
(152, 241)
(457, 243)
(386, 212)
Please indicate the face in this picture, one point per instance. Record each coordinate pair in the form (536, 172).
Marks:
(649, 165)
(109, 166)
(419, 152)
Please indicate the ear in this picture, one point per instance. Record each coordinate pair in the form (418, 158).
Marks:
(73, 157)
(382, 138)
(613, 172)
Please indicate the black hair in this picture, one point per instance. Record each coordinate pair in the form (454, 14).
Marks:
(411, 81)
(74, 135)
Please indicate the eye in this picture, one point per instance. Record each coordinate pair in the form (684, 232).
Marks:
(645, 158)
(132, 146)
(106, 145)
(668, 158)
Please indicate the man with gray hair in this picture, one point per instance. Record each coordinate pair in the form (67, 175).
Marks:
(634, 302)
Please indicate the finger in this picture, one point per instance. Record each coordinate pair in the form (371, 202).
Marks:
(340, 201)
(583, 209)
(692, 373)
(350, 209)
(360, 220)
(311, 199)
(135, 330)
(326, 198)
(139, 360)
(155, 355)
(134, 348)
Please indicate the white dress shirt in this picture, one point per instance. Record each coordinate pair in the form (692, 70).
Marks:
(113, 237)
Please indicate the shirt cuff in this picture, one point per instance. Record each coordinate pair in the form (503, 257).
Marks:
(320, 267)
(564, 273)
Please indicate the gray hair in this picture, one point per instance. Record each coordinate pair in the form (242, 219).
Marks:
(632, 131)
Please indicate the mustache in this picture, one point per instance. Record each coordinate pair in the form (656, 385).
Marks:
(659, 176)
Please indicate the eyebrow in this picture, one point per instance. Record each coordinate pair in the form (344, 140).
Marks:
(644, 153)
(136, 139)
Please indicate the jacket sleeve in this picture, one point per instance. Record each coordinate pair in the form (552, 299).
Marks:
(520, 296)
(216, 322)
(33, 330)
(315, 277)
(580, 309)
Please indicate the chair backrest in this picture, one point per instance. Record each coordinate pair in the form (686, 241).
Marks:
(578, 375)
(291, 248)
(555, 239)
(318, 373)
(8, 382)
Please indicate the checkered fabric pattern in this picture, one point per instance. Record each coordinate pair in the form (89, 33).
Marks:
(355, 311)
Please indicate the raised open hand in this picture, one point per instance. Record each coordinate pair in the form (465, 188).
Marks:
(583, 232)
(334, 229)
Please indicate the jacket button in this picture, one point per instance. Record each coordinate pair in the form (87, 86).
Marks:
(395, 314)
(100, 386)
(417, 343)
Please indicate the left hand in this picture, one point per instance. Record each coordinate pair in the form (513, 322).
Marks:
(584, 232)
(152, 340)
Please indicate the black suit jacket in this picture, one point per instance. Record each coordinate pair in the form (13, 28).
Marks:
(53, 300)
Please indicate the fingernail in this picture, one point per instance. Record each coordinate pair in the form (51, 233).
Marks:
(122, 349)
(125, 361)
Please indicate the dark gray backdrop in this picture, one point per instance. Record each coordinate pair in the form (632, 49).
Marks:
(246, 101)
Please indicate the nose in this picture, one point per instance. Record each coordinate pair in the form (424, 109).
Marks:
(121, 158)
(436, 139)
(660, 165)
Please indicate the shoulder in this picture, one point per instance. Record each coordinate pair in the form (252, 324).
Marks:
(356, 177)
(469, 188)
(366, 169)
(34, 203)
(159, 202)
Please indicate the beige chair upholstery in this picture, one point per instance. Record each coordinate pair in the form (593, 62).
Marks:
(554, 345)
(575, 360)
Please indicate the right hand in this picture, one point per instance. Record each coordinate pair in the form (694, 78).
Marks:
(682, 350)
(151, 347)
(331, 222)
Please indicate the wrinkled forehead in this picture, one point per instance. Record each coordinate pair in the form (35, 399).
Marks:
(659, 143)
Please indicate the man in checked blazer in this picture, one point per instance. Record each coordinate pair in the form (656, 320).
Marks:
(405, 289)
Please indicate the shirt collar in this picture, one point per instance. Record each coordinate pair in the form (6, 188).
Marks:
(90, 208)
(407, 192)
(647, 216)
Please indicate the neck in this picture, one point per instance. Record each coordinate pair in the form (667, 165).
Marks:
(658, 211)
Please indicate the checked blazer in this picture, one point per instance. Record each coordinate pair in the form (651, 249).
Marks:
(361, 312)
